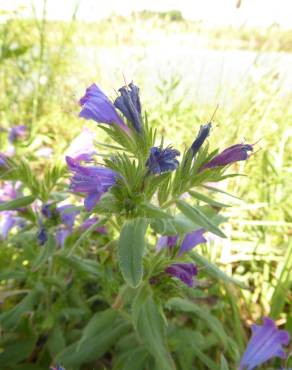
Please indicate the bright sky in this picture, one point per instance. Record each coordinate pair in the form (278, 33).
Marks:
(251, 12)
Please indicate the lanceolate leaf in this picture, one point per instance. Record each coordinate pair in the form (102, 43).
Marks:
(46, 252)
(17, 203)
(130, 249)
(151, 330)
(196, 215)
(204, 198)
(214, 271)
(92, 348)
(212, 322)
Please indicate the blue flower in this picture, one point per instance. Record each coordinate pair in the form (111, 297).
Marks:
(3, 160)
(97, 106)
(82, 147)
(184, 272)
(17, 132)
(234, 153)
(42, 235)
(129, 104)
(162, 160)
(201, 137)
(190, 241)
(92, 181)
(266, 342)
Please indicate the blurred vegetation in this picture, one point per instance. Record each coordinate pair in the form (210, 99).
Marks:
(40, 74)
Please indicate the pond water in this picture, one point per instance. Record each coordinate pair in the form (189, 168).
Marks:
(207, 75)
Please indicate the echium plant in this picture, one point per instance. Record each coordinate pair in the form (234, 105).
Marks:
(115, 283)
(143, 186)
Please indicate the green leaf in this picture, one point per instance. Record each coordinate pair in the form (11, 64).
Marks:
(283, 283)
(180, 224)
(196, 215)
(81, 264)
(151, 330)
(207, 200)
(211, 188)
(92, 348)
(130, 250)
(17, 275)
(211, 321)
(46, 251)
(56, 341)
(98, 323)
(11, 318)
(17, 203)
(17, 352)
(214, 271)
(133, 359)
(223, 363)
(151, 211)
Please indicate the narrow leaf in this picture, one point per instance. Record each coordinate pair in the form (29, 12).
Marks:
(214, 271)
(151, 330)
(206, 199)
(46, 252)
(17, 203)
(130, 249)
(196, 215)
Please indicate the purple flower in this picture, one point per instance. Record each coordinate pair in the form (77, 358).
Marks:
(166, 241)
(91, 221)
(162, 160)
(183, 271)
(7, 222)
(129, 104)
(97, 106)
(61, 235)
(201, 137)
(266, 342)
(82, 148)
(42, 235)
(9, 219)
(68, 214)
(189, 242)
(17, 132)
(234, 153)
(3, 160)
(57, 368)
(92, 181)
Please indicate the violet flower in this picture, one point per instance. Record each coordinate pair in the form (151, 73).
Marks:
(129, 104)
(92, 181)
(234, 153)
(91, 221)
(97, 106)
(184, 272)
(7, 222)
(201, 137)
(3, 160)
(266, 342)
(66, 214)
(17, 132)
(82, 147)
(166, 241)
(162, 160)
(190, 241)
(42, 235)
(9, 219)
